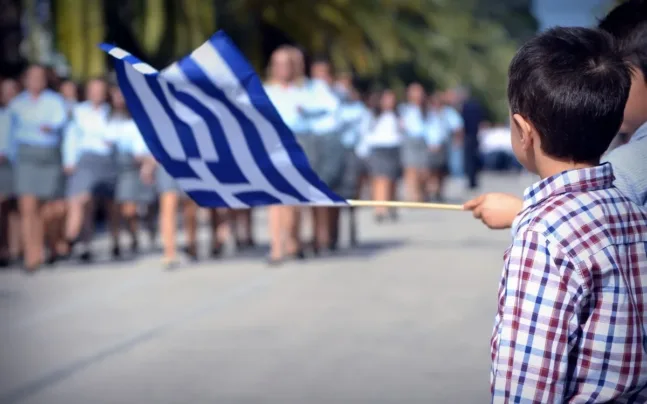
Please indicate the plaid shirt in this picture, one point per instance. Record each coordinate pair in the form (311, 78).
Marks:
(570, 322)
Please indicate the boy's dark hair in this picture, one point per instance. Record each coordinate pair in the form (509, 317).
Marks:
(628, 25)
(572, 85)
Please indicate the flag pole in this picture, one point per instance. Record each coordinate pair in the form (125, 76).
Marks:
(411, 205)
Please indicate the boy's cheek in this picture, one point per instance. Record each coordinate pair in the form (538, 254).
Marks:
(636, 109)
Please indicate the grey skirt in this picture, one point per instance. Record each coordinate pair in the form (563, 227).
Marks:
(95, 174)
(353, 170)
(439, 159)
(129, 186)
(415, 153)
(164, 183)
(39, 172)
(326, 157)
(385, 162)
(6, 179)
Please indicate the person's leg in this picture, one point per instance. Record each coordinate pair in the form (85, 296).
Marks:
(15, 231)
(220, 230)
(60, 212)
(129, 215)
(4, 232)
(32, 231)
(243, 223)
(114, 218)
(190, 213)
(412, 184)
(168, 225)
(275, 218)
(76, 211)
(51, 231)
(380, 186)
(334, 216)
(471, 164)
(291, 225)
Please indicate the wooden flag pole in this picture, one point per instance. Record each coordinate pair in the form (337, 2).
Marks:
(412, 205)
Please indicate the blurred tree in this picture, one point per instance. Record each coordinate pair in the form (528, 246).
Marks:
(447, 42)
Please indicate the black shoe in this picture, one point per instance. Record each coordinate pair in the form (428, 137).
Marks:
(296, 256)
(192, 252)
(116, 252)
(134, 247)
(4, 263)
(242, 245)
(86, 256)
(52, 260)
(216, 252)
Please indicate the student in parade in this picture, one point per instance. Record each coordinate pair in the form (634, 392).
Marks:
(171, 198)
(9, 89)
(325, 151)
(353, 116)
(39, 115)
(89, 157)
(438, 136)
(385, 141)
(70, 93)
(284, 221)
(415, 154)
(135, 168)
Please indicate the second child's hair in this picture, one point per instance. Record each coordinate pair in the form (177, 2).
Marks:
(572, 85)
(627, 23)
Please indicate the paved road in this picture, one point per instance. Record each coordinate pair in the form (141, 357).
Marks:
(404, 319)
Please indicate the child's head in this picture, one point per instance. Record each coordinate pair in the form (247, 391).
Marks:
(628, 24)
(567, 91)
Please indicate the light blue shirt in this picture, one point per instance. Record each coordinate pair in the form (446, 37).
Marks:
(413, 120)
(321, 106)
(629, 163)
(123, 132)
(30, 115)
(87, 133)
(287, 101)
(386, 132)
(352, 116)
(6, 133)
(441, 124)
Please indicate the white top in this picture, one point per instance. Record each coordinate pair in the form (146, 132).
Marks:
(387, 131)
(496, 139)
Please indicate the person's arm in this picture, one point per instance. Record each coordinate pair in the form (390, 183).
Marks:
(496, 210)
(70, 146)
(537, 323)
(58, 116)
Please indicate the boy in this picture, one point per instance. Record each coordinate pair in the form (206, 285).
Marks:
(628, 24)
(569, 321)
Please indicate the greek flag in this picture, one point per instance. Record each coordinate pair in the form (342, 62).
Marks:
(207, 120)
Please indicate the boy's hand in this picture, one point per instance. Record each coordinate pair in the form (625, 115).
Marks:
(497, 211)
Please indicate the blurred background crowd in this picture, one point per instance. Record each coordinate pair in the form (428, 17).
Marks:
(414, 91)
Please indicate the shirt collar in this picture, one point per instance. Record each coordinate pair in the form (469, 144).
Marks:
(580, 180)
(640, 133)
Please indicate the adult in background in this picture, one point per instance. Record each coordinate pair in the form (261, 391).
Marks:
(415, 154)
(385, 141)
(135, 167)
(39, 116)
(286, 95)
(353, 115)
(325, 151)
(8, 91)
(473, 115)
(89, 157)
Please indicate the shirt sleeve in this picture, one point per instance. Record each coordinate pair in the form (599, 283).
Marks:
(629, 172)
(58, 113)
(454, 119)
(70, 144)
(536, 323)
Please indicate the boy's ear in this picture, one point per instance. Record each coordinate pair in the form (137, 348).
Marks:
(526, 131)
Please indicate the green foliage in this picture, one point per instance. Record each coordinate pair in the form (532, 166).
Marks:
(442, 43)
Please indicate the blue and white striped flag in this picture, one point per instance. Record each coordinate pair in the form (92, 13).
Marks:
(209, 123)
